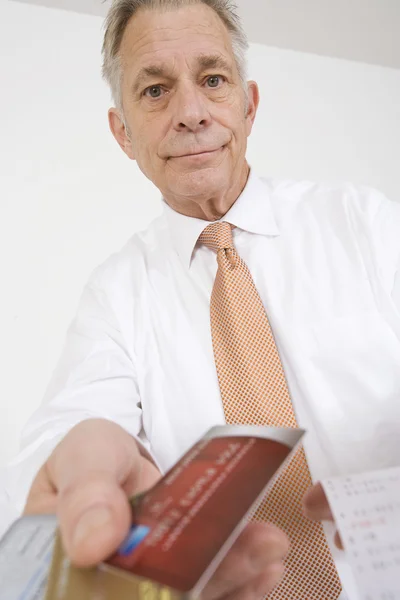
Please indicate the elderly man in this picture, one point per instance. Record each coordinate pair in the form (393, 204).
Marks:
(304, 286)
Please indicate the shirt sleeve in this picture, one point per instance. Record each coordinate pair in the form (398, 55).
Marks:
(386, 231)
(95, 378)
(396, 288)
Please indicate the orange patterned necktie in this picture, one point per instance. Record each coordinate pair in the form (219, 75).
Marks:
(254, 391)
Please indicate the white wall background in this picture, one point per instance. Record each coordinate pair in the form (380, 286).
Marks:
(69, 197)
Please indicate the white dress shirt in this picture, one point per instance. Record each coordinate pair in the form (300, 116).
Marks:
(326, 262)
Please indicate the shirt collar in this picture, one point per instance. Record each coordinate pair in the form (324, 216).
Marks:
(251, 212)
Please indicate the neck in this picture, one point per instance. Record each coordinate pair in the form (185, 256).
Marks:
(215, 207)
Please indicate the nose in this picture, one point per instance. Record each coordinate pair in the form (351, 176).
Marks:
(190, 109)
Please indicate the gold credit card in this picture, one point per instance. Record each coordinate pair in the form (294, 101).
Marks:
(102, 583)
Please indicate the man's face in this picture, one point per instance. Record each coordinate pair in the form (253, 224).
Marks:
(184, 104)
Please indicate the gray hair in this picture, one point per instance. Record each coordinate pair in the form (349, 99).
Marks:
(122, 11)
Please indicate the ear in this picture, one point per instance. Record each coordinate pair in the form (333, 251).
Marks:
(120, 132)
(252, 104)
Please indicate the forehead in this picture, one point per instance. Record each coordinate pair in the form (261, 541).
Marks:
(175, 34)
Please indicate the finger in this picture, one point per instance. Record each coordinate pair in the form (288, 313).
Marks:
(42, 497)
(258, 547)
(316, 506)
(338, 541)
(260, 586)
(89, 470)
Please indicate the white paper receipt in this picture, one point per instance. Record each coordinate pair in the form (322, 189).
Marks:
(366, 508)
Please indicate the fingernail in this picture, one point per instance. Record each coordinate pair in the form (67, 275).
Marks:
(91, 521)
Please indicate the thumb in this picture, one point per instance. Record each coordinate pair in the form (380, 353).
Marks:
(94, 518)
(91, 470)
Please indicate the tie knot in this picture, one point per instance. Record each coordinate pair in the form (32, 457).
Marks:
(217, 236)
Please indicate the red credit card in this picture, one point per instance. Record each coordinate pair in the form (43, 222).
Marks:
(200, 505)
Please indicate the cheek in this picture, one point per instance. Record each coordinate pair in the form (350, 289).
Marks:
(151, 135)
(239, 131)
(146, 148)
(232, 117)
(145, 143)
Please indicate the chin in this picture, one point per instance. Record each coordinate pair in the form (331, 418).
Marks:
(201, 183)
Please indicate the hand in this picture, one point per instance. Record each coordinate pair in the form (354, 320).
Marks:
(316, 508)
(253, 567)
(87, 481)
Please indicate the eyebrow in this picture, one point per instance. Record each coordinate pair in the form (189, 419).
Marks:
(215, 61)
(163, 71)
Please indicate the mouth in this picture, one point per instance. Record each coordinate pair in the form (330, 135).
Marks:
(200, 154)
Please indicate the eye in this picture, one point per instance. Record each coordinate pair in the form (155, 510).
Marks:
(154, 91)
(214, 81)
